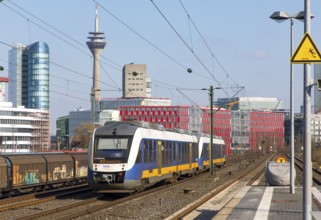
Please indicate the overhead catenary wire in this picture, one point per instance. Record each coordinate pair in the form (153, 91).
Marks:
(70, 38)
(204, 41)
(191, 49)
(56, 29)
(199, 60)
(146, 41)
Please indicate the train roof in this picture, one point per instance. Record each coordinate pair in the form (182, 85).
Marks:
(129, 128)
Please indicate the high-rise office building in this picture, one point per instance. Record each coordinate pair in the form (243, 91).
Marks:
(134, 81)
(29, 76)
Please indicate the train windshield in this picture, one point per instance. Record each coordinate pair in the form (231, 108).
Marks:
(112, 149)
(112, 143)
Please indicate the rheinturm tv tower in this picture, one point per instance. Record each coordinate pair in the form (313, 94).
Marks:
(96, 46)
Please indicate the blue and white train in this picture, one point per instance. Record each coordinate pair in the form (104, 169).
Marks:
(130, 156)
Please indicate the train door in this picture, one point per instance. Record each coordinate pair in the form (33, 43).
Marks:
(160, 151)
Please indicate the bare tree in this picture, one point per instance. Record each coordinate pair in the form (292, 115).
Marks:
(82, 135)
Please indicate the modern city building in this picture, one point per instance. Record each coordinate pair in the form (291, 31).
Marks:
(96, 45)
(18, 76)
(22, 129)
(298, 129)
(29, 76)
(316, 128)
(241, 130)
(62, 132)
(116, 103)
(317, 94)
(66, 126)
(250, 103)
(135, 82)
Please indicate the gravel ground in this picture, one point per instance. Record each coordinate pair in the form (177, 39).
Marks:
(159, 205)
(163, 204)
(24, 211)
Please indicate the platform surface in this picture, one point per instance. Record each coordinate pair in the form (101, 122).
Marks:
(261, 203)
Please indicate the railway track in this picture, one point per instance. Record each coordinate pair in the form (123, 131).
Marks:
(81, 208)
(248, 177)
(19, 207)
(20, 198)
(316, 175)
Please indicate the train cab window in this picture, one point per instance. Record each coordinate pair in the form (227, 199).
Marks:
(112, 148)
(112, 143)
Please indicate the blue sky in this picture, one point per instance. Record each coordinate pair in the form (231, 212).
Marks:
(247, 48)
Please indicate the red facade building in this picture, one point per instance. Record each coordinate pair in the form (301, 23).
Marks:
(241, 130)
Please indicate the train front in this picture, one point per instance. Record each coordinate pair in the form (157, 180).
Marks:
(108, 158)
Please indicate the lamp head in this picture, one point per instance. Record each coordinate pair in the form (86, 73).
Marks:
(301, 15)
(279, 16)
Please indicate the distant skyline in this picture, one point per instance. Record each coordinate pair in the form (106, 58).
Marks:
(239, 46)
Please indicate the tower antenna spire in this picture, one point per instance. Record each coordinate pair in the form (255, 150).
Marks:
(96, 19)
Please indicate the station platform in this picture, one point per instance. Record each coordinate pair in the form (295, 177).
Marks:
(260, 202)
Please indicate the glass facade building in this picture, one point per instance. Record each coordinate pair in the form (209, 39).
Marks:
(29, 76)
(18, 76)
(38, 76)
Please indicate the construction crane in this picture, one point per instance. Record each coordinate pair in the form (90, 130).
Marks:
(230, 104)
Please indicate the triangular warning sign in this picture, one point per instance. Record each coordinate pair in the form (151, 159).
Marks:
(307, 51)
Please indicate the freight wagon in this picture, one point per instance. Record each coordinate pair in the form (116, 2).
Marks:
(22, 173)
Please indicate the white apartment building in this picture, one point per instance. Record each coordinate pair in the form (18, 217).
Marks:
(22, 129)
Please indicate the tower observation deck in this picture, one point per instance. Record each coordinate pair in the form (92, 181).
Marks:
(96, 45)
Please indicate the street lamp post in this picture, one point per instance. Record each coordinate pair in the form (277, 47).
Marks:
(280, 16)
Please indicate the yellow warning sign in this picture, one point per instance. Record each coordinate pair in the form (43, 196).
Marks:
(307, 51)
(280, 160)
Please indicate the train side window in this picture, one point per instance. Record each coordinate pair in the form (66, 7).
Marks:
(179, 151)
(139, 155)
(184, 152)
(215, 151)
(187, 152)
(150, 151)
(154, 150)
(195, 152)
(163, 152)
(206, 150)
(145, 149)
(170, 152)
(174, 150)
